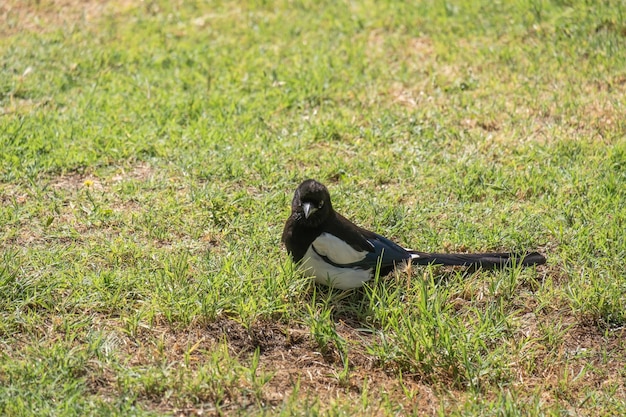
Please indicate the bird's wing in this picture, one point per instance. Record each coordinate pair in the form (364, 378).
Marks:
(339, 252)
(343, 253)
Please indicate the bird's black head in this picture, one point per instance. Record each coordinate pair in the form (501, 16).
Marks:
(311, 204)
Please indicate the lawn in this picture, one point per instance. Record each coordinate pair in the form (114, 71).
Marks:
(149, 152)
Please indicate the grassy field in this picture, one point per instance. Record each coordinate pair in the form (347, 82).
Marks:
(149, 152)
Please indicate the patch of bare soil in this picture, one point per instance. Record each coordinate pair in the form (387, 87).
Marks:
(287, 352)
(75, 180)
(587, 358)
(65, 190)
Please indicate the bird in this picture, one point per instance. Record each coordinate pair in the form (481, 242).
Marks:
(342, 255)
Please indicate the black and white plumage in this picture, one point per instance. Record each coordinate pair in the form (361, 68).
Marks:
(338, 253)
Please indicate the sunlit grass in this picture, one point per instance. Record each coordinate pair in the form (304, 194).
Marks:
(148, 156)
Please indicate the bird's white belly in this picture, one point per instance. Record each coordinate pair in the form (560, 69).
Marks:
(342, 278)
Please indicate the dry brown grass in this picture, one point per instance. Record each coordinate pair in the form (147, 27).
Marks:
(46, 15)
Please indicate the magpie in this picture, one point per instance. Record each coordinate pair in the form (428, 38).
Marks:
(340, 254)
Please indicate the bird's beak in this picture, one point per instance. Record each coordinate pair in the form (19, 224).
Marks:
(308, 209)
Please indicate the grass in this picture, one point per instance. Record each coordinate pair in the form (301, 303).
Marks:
(149, 153)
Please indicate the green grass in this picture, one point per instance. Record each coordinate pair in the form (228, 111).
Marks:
(148, 157)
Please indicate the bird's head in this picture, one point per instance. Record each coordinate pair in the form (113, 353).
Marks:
(311, 203)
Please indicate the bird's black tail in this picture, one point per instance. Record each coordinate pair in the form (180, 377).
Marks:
(478, 260)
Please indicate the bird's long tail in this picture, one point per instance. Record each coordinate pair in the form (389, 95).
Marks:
(478, 260)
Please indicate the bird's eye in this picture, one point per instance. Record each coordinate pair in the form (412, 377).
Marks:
(321, 204)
